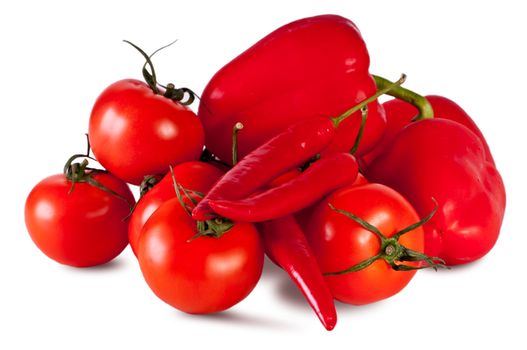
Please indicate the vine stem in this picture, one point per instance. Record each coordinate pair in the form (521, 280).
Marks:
(420, 102)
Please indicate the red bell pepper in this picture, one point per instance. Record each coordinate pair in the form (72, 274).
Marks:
(408, 106)
(315, 66)
(443, 159)
(285, 151)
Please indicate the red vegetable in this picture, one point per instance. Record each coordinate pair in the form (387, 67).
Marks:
(195, 176)
(78, 218)
(443, 159)
(323, 176)
(287, 150)
(268, 161)
(195, 272)
(138, 129)
(286, 245)
(312, 67)
(408, 105)
(367, 240)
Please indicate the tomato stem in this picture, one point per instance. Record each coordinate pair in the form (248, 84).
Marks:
(184, 96)
(80, 172)
(178, 193)
(391, 251)
(215, 227)
(149, 182)
(421, 103)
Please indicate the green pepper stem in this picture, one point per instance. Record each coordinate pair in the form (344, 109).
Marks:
(364, 117)
(235, 129)
(380, 92)
(418, 101)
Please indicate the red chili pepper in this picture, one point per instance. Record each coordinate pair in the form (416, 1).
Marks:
(321, 178)
(444, 159)
(286, 244)
(316, 66)
(285, 151)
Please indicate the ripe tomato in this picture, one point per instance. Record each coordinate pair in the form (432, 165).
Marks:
(84, 227)
(196, 176)
(198, 275)
(134, 132)
(340, 243)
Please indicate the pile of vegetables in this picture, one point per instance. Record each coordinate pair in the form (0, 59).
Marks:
(291, 156)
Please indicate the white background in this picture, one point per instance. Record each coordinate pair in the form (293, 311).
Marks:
(55, 59)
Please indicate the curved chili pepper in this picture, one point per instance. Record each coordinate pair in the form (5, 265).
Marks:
(285, 151)
(322, 177)
(286, 244)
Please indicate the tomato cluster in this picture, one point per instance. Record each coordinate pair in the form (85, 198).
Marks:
(290, 155)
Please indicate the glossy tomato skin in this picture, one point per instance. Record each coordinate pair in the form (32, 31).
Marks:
(81, 228)
(134, 132)
(198, 275)
(339, 242)
(193, 175)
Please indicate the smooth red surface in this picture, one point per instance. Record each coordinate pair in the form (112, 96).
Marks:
(285, 151)
(134, 132)
(85, 227)
(339, 242)
(198, 275)
(313, 67)
(400, 113)
(286, 244)
(193, 175)
(322, 177)
(442, 159)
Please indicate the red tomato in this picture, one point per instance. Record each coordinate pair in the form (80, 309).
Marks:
(84, 227)
(197, 176)
(198, 275)
(134, 132)
(340, 243)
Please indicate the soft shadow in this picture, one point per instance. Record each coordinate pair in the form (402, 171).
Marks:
(288, 291)
(345, 309)
(271, 271)
(237, 319)
(457, 268)
(113, 265)
(285, 288)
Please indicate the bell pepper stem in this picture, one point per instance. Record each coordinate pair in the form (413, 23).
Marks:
(418, 101)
